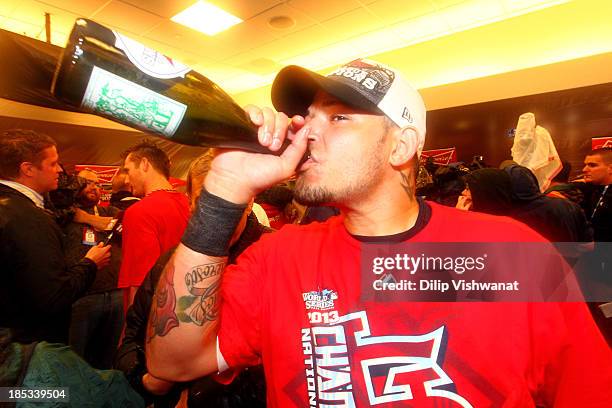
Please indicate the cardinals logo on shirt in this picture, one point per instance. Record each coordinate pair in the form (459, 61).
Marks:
(345, 362)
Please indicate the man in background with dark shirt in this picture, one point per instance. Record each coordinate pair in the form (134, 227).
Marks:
(97, 317)
(38, 288)
(598, 208)
(598, 205)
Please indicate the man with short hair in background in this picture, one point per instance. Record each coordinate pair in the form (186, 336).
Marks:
(155, 223)
(597, 205)
(597, 172)
(38, 287)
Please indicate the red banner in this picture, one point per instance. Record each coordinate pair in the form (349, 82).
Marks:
(599, 142)
(105, 173)
(440, 156)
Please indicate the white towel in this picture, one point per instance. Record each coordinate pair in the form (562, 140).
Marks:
(534, 148)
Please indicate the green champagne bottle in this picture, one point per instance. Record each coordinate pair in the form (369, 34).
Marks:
(108, 74)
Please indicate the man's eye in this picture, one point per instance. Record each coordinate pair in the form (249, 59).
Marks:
(339, 117)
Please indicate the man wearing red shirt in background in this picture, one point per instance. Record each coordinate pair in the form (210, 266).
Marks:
(154, 224)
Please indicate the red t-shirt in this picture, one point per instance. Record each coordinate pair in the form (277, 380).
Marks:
(401, 353)
(151, 227)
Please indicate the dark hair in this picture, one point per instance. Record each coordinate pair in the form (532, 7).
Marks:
(149, 150)
(604, 152)
(563, 175)
(18, 146)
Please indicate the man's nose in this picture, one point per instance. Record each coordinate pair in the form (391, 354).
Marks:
(316, 129)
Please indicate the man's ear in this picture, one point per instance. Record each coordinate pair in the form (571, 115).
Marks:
(405, 146)
(27, 169)
(144, 165)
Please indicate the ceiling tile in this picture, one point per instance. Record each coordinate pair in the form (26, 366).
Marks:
(240, 8)
(323, 10)
(28, 12)
(351, 24)
(256, 32)
(246, 9)
(363, 46)
(518, 5)
(302, 20)
(24, 28)
(162, 8)
(440, 4)
(393, 11)
(243, 58)
(301, 42)
(183, 38)
(467, 14)
(29, 17)
(246, 81)
(6, 8)
(79, 8)
(247, 35)
(175, 35)
(126, 18)
(261, 66)
(421, 28)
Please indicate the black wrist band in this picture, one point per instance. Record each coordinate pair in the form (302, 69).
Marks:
(212, 225)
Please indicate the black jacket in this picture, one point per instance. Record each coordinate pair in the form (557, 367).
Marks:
(514, 192)
(597, 206)
(557, 219)
(37, 287)
(75, 250)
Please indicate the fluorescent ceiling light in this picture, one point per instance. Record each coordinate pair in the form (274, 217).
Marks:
(206, 18)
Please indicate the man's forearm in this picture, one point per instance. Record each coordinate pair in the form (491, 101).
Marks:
(96, 221)
(182, 326)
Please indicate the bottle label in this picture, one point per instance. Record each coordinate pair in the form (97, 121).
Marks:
(110, 95)
(150, 61)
